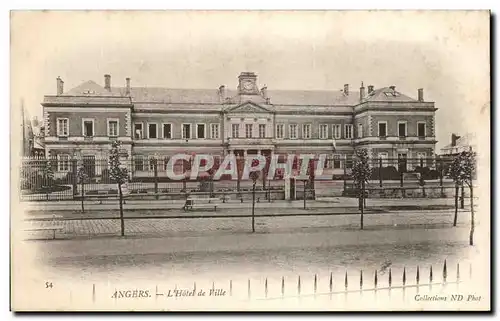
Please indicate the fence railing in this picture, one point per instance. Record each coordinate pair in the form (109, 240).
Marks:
(390, 283)
(57, 178)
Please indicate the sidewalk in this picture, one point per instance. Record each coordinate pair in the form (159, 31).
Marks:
(176, 205)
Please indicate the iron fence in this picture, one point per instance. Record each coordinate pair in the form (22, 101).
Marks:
(383, 282)
(57, 179)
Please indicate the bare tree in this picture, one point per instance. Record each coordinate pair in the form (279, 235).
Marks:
(119, 175)
(361, 173)
(254, 176)
(82, 178)
(462, 171)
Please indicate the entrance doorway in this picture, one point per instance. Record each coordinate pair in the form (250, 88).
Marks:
(89, 165)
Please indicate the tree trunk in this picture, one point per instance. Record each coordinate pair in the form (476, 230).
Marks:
(456, 206)
(83, 209)
(362, 203)
(122, 220)
(471, 237)
(253, 207)
(462, 199)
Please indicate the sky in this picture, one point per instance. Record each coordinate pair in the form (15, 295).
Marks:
(445, 53)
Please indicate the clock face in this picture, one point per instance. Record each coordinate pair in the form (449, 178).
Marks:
(248, 85)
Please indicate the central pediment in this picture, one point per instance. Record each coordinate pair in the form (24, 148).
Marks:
(249, 107)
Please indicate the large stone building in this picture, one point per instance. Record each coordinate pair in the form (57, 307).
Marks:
(159, 122)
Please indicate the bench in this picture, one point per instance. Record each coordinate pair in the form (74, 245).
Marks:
(201, 203)
(52, 227)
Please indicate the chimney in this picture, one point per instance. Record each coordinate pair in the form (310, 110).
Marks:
(393, 88)
(127, 89)
(263, 91)
(222, 93)
(346, 89)
(361, 92)
(107, 82)
(420, 94)
(370, 89)
(454, 139)
(60, 86)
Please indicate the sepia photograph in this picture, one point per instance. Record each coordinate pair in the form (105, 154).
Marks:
(250, 160)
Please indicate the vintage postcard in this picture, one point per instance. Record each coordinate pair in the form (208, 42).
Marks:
(250, 160)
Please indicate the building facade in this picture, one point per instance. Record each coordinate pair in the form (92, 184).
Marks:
(159, 122)
(459, 144)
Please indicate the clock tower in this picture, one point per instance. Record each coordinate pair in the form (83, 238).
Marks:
(248, 84)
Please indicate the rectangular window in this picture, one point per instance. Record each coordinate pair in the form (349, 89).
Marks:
(167, 131)
(306, 131)
(348, 131)
(336, 131)
(336, 161)
(382, 129)
(200, 131)
(280, 131)
(383, 156)
(138, 163)
(421, 159)
(88, 127)
(112, 127)
(138, 131)
(262, 131)
(293, 131)
(421, 130)
(349, 162)
(152, 164)
(63, 163)
(186, 131)
(248, 130)
(235, 130)
(152, 131)
(214, 131)
(360, 131)
(323, 131)
(62, 127)
(402, 129)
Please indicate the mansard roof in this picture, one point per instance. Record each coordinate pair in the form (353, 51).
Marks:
(91, 91)
(386, 94)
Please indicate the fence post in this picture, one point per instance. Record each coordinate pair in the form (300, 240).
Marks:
(315, 283)
(380, 171)
(282, 286)
(155, 166)
(361, 280)
(74, 165)
(331, 283)
(401, 176)
(265, 288)
(390, 281)
(269, 191)
(430, 277)
(345, 173)
(441, 167)
(445, 273)
(305, 194)
(422, 180)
